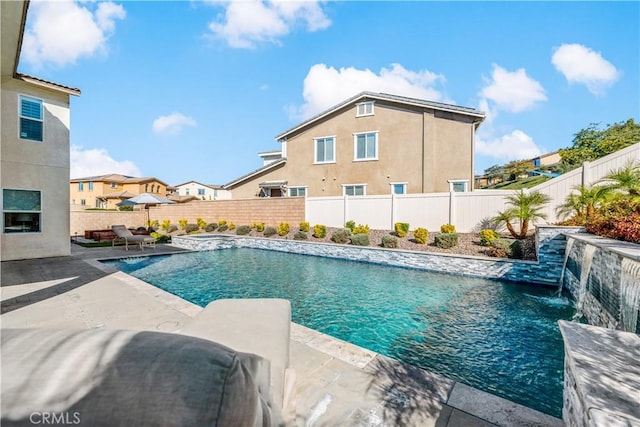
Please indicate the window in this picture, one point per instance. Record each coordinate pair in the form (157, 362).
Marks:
(114, 185)
(81, 186)
(200, 191)
(458, 186)
(354, 189)
(364, 109)
(30, 118)
(21, 211)
(146, 188)
(366, 146)
(297, 191)
(186, 191)
(98, 204)
(90, 185)
(83, 202)
(325, 149)
(398, 188)
(152, 187)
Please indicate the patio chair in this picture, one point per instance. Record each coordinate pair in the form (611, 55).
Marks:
(123, 234)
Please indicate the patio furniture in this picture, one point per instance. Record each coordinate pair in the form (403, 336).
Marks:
(123, 233)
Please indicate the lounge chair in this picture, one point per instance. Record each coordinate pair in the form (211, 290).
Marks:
(123, 233)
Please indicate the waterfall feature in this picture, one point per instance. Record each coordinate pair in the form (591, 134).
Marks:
(585, 268)
(564, 264)
(629, 295)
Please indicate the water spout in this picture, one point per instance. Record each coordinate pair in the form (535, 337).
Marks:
(629, 295)
(567, 250)
(585, 268)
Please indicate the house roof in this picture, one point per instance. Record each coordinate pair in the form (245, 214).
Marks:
(258, 171)
(373, 96)
(181, 199)
(118, 195)
(212, 186)
(48, 84)
(123, 179)
(270, 153)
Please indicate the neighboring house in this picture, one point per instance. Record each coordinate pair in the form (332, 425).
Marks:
(105, 191)
(34, 163)
(202, 191)
(546, 160)
(372, 143)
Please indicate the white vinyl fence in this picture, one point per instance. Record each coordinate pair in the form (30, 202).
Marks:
(467, 211)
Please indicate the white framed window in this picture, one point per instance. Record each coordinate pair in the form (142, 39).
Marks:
(114, 185)
(325, 149)
(365, 146)
(354, 189)
(458, 185)
(98, 204)
(398, 187)
(21, 211)
(90, 185)
(186, 191)
(200, 191)
(364, 109)
(83, 202)
(297, 191)
(81, 186)
(31, 118)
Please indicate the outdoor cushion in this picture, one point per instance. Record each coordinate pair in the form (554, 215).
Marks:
(102, 377)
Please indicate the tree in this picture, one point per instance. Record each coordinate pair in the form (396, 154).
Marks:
(592, 143)
(495, 172)
(525, 208)
(516, 168)
(584, 203)
(625, 179)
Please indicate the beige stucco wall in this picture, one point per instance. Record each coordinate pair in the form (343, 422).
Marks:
(422, 149)
(42, 166)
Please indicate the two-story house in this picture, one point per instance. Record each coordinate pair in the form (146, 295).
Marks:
(34, 160)
(105, 191)
(202, 191)
(372, 143)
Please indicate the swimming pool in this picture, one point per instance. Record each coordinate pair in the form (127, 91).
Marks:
(499, 337)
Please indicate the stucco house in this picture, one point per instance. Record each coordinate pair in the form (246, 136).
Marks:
(105, 191)
(34, 159)
(202, 191)
(372, 143)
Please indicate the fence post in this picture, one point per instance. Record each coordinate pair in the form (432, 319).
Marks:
(452, 207)
(345, 210)
(393, 209)
(586, 174)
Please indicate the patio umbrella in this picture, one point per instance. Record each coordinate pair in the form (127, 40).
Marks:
(145, 199)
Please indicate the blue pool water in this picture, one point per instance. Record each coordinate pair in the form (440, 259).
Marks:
(499, 337)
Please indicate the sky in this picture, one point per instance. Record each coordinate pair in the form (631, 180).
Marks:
(187, 90)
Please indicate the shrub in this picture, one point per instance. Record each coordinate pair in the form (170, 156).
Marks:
(270, 231)
(232, 226)
(389, 241)
(501, 248)
(319, 231)
(421, 235)
(155, 224)
(172, 228)
(350, 225)
(161, 238)
(283, 229)
(487, 236)
(190, 228)
(447, 228)
(126, 208)
(223, 227)
(446, 240)
(360, 239)
(260, 227)
(201, 223)
(304, 226)
(361, 229)
(183, 223)
(165, 224)
(212, 226)
(341, 235)
(401, 228)
(243, 229)
(300, 235)
(222, 222)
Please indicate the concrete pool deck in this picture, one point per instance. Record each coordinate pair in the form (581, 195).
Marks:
(337, 383)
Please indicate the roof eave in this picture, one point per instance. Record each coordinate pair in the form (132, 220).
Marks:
(254, 173)
(48, 85)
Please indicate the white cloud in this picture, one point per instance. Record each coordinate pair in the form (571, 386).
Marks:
(513, 91)
(579, 64)
(60, 32)
(326, 86)
(172, 124)
(97, 161)
(248, 23)
(516, 145)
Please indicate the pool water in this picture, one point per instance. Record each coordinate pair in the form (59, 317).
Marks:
(499, 337)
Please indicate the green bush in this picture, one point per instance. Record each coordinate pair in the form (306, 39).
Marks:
(360, 239)
(243, 229)
(300, 235)
(361, 229)
(270, 231)
(172, 228)
(389, 241)
(165, 224)
(487, 236)
(447, 229)
(232, 226)
(511, 248)
(190, 228)
(223, 227)
(319, 231)
(183, 223)
(341, 235)
(125, 208)
(283, 229)
(161, 238)
(222, 222)
(350, 225)
(401, 228)
(446, 240)
(421, 235)
(212, 226)
(201, 223)
(304, 226)
(260, 227)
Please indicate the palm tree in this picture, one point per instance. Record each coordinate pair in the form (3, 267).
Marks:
(585, 202)
(524, 207)
(625, 179)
